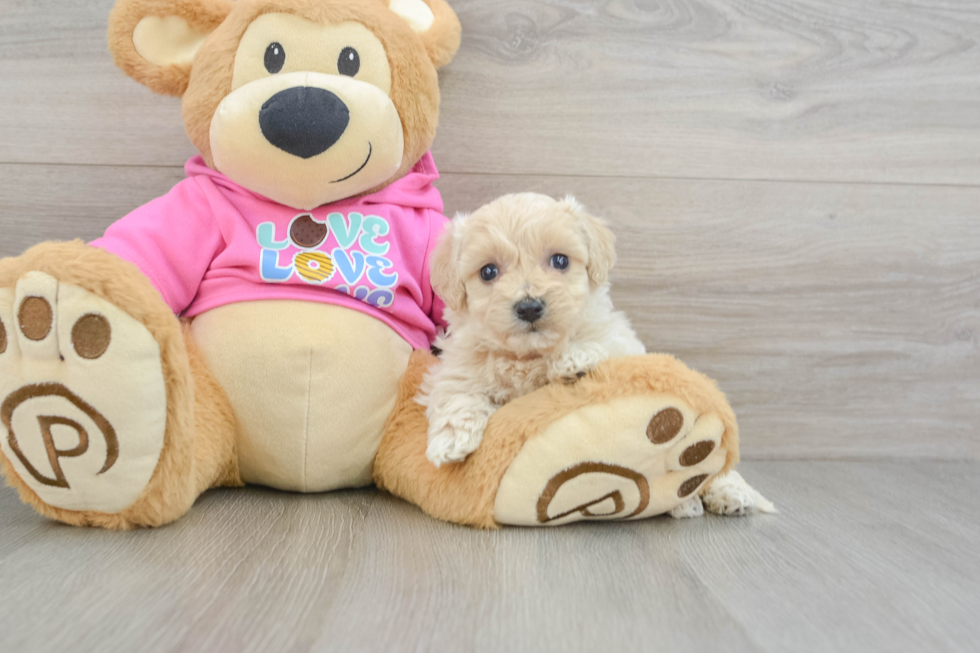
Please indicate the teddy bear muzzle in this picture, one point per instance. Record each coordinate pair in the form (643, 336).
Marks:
(305, 139)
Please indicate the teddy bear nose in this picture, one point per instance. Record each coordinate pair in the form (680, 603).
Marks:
(304, 120)
(529, 310)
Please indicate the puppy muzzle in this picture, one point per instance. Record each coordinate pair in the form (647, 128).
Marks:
(529, 310)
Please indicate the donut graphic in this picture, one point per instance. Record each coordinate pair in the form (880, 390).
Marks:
(591, 508)
(313, 267)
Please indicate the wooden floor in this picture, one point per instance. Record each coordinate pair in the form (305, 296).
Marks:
(796, 187)
(864, 557)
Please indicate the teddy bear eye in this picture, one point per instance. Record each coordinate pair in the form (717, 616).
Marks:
(275, 57)
(489, 272)
(559, 262)
(349, 62)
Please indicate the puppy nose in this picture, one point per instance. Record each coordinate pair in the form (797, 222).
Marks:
(304, 120)
(529, 310)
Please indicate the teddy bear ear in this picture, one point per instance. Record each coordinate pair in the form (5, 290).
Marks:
(154, 41)
(436, 24)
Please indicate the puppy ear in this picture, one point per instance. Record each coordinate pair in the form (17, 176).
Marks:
(444, 270)
(436, 24)
(154, 41)
(600, 241)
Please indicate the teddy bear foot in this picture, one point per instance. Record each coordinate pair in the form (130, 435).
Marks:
(627, 458)
(638, 436)
(82, 397)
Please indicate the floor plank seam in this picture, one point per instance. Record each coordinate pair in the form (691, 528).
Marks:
(445, 171)
(753, 180)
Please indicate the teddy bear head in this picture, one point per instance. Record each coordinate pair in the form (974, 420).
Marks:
(303, 101)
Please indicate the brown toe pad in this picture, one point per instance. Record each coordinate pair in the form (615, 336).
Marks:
(696, 453)
(665, 425)
(91, 336)
(35, 318)
(691, 484)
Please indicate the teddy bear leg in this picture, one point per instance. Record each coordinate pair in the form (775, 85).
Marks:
(109, 415)
(640, 436)
(455, 492)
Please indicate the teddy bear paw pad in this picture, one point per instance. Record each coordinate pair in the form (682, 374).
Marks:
(82, 397)
(628, 458)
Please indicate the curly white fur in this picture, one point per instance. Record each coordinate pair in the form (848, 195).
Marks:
(490, 356)
(731, 495)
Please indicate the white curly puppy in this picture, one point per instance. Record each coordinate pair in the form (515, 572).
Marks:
(525, 282)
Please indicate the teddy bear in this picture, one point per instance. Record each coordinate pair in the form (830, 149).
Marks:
(268, 321)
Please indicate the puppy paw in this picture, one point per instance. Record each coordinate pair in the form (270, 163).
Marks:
(453, 443)
(574, 363)
(690, 508)
(731, 495)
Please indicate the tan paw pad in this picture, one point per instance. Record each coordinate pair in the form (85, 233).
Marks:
(629, 458)
(82, 396)
(625, 488)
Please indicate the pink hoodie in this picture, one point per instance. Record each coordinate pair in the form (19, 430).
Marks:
(210, 242)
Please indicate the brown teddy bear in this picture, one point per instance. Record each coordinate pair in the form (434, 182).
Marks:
(296, 254)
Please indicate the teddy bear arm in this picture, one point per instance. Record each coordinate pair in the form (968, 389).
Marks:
(172, 239)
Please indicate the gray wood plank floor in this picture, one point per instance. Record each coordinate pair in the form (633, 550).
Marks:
(796, 187)
(864, 557)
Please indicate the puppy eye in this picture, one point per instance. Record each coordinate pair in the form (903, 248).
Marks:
(489, 272)
(275, 57)
(349, 62)
(559, 262)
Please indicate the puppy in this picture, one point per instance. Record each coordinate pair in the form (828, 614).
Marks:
(525, 282)
(524, 279)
